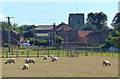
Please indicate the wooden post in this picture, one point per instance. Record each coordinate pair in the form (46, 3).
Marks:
(12, 51)
(6, 54)
(70, 53)
(112, 53)
(58, 53)
(27, 54)
(77, 54)
(63, 52)
(48, 53)
(17, 54)
(107, 52)
(67, 53)
(86, 53)
(37, 53)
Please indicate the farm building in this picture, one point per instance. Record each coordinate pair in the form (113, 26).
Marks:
(42, 31)
(15, 37)
(71, 35)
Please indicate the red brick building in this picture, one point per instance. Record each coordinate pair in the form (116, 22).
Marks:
(15, 37)
(72, 36)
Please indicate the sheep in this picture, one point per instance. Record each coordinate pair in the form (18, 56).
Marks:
(45, 57)
(26, 66)
(54, 58)
(30, 60)
(106, 62)
(12, 60)
(73, 55)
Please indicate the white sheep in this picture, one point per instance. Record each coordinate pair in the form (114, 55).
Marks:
(106, 62)
(54, 58)
(12, 60)
(30, 60)
(26, 66)
(45, 57)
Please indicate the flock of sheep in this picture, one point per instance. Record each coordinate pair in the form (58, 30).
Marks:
(27, 61)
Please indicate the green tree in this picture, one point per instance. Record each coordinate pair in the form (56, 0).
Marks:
(116, 19)
(98, 19)
(88, 26)
(29, 34)
(58, 40)
(114, 38)
(4, 25)
(26, 27)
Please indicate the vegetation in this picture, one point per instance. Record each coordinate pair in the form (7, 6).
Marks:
(114, 37)
(88, 26)
(99, 20)
(116, 19)
(58, 40)
(37, 42)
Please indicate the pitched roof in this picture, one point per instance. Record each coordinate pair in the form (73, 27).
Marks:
(14, 32)
(63, 27)
(97, 33)
(44, 27)
(83, 33)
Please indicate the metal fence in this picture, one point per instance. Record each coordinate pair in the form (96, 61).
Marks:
(56, 51)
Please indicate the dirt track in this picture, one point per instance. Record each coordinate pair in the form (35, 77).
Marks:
(82, 66)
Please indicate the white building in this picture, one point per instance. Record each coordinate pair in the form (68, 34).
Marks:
(119, 6)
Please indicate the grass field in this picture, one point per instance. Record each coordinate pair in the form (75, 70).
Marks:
(56, 53)
(82, 66)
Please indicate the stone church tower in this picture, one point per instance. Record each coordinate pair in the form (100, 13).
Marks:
(76, 20)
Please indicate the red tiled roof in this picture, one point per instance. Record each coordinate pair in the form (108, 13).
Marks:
(83, 33)
(62, 27)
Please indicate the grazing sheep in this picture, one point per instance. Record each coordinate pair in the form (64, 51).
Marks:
(12, 60)
(30, 60)
(26, 66)
(73, 55)
(54, 58)
(45, 57)
(106, 62)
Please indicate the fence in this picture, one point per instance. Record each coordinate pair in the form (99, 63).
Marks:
(70, 52)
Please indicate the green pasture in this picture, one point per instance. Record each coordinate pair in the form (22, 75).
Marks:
(42, 52)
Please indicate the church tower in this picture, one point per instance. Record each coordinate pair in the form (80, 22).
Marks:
(76, 20)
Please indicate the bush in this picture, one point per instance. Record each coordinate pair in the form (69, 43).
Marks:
(6, 45)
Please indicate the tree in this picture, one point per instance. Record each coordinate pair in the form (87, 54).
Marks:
(26, 27)
(58, 40)
(88, 26)
(29, 34)
(116, 19)
(98, 19)
(4, 25)
(114, 38)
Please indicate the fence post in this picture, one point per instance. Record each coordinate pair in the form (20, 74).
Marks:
(27, 54)
(58, 53)
(37, 53)
(48, 53)
(112, 53)
(107, 52)
(12, 51)
(77, 53)
(86, 53)
(17, 54)
(6, 54)
(67, 53)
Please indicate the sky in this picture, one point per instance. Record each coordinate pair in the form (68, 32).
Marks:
(47, 13)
